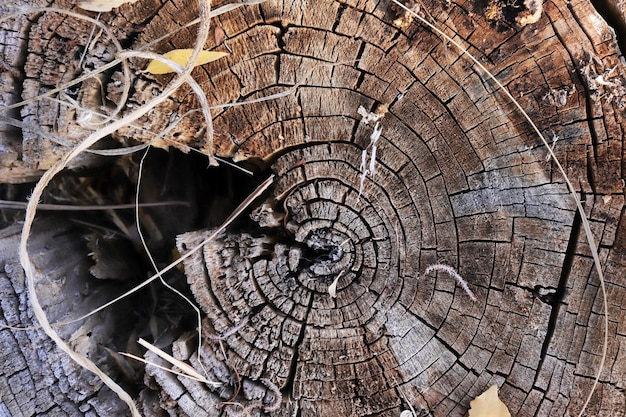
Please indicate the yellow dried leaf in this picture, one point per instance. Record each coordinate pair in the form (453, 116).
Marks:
(181, 57)
(101, 5)
(488, 404)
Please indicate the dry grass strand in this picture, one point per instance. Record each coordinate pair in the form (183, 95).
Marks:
(579, 207)
(31, 210)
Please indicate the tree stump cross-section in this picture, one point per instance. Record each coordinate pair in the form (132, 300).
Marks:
(458, 179)
(392, 152)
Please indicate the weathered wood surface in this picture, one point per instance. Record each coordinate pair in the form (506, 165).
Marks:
(36, 379)
(460, 179)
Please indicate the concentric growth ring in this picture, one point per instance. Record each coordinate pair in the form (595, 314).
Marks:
(315, 231)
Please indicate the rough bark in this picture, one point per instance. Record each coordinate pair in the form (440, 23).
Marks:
(459, 179)
(36, 379)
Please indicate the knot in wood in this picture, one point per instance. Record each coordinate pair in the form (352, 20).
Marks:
(276, 275)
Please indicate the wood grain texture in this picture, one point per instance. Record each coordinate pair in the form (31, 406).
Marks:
(36, 379)
(460, 179)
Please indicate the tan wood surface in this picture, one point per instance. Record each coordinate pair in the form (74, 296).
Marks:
(460, 179)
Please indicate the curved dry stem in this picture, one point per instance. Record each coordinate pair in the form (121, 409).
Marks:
(203, 32)
(579, 207)
(29, 127)
(196, 88)
(213, 13)
(95, 22)
(156, 268)
(19, 205)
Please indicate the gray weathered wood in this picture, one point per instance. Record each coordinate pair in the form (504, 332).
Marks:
(36, 379)
(460, 179)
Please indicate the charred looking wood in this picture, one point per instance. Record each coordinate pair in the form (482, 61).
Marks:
(548, 295)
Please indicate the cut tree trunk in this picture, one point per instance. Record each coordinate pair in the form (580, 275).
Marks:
(392, 152)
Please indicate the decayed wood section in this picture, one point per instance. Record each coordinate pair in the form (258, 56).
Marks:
(37, 379)
(459, 179)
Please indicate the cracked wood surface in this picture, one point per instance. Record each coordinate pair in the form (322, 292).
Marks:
(36, 379)
(460, 179)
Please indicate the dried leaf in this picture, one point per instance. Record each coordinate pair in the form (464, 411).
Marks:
(181, 56)
(488, 404)
(332, 288)
(101, 5)
(219, 35)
